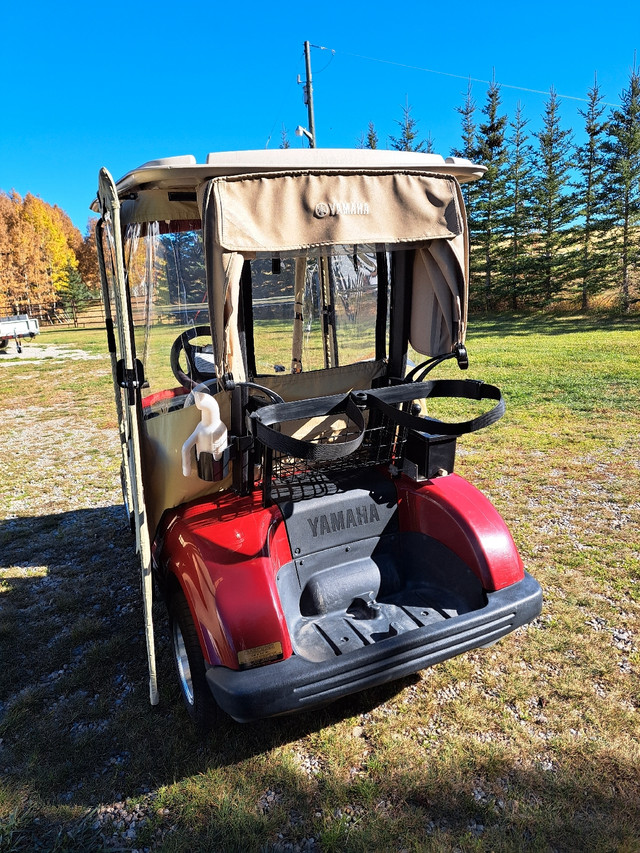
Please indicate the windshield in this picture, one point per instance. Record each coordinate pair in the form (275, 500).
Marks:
(313, 312)
(302, 312)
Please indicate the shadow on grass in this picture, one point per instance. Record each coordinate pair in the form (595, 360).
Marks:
(77, 731)
(507, 325)
(75, 720)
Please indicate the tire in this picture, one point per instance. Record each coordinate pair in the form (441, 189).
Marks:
(189, 663)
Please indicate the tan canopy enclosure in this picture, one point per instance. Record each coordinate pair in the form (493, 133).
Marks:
(280, 214)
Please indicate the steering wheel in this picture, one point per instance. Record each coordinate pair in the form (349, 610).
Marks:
(200, 364)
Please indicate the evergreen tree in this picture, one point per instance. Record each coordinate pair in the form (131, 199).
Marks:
(518, 193)
(623, 183)
(370, 139)
(467, 111)
(372, 136)
(407, 141)
(553, 205)
(592, 267)
(468, 149)
(74, 292)
(488, 225)
(284, 138)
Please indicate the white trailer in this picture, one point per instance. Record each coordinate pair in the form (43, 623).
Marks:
(16, 328)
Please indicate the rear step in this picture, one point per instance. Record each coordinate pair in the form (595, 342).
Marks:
(356, 580)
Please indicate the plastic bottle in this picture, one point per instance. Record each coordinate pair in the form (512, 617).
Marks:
(210, 436)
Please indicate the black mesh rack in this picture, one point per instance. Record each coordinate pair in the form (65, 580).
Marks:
(342, 434)
(287, 477)
(306, 447)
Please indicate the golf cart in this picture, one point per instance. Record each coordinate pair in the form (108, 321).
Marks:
(272, 321)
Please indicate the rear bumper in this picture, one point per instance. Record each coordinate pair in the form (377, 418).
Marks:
(297, 684)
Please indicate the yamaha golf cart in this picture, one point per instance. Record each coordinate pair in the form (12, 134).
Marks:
(273, 318)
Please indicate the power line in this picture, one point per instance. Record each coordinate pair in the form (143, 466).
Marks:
(456, 76)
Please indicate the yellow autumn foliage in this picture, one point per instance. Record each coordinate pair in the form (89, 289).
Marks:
(38, 246)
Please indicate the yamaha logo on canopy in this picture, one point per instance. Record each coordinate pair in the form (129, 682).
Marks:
(359, 208)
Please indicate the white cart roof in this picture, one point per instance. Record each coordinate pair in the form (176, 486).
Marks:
(144, 191)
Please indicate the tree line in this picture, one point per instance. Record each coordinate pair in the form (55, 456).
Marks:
(550, 220)
(47, 268)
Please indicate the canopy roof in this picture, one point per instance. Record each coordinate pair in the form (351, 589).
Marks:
(145, 192)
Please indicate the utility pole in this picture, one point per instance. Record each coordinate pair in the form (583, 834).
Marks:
(308, 91)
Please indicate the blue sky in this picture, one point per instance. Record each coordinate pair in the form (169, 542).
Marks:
(86, 86)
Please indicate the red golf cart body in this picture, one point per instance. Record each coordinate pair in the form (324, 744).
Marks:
(272, 318)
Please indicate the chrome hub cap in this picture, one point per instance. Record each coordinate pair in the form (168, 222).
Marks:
(182, 661)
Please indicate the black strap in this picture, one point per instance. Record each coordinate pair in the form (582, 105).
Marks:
(418, 373)
(383, 399)
(381, 311)
(266, 417)
(246, 319)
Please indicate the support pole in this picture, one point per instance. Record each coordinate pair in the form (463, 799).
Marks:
(309, 94)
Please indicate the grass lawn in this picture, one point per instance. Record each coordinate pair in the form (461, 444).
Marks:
(532, 744)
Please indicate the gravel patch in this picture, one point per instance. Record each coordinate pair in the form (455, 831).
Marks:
(35, 353)
(121, 822)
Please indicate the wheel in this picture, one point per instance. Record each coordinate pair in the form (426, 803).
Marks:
(190, 668)
(200, 365)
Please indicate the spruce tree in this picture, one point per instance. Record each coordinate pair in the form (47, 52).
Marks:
(592, 267)
(74, 293)
(408, 141)
(372, 136)
(284, 138)
(368, 139)
(487, 225)
(517, 228)
(553, 205)
(623, 183)
(468, 148)
(467, 111)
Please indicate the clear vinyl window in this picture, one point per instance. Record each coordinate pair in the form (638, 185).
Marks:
(306, 312)
(317, 311)
(166, 276)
